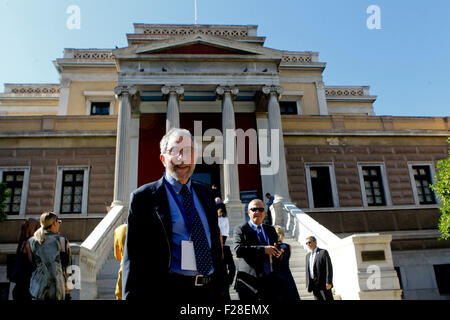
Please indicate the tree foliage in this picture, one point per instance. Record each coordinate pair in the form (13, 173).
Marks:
(3, 195)
(442, 188)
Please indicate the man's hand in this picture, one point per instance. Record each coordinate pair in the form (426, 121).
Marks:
(328, 286)
(273, 251)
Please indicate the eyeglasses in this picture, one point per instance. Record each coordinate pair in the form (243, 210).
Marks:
(257, 209)
(308, 243)
(175, 151)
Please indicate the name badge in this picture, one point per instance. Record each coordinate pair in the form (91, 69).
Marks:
(188, 256)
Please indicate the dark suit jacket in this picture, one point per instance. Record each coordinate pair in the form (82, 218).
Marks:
(250, 256)
(147, 254)
(323, 271)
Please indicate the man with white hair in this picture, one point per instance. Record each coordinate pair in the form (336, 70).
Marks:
(173, 241)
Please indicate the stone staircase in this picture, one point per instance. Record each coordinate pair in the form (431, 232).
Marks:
(107, 277)
(296, 264)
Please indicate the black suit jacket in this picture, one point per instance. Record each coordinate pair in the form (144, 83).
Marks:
(147, 253)
(250, 256)
(323, 271)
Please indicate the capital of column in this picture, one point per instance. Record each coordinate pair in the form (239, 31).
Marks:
(273, 89)
(120, 90)
(221, 90)
(179, 90)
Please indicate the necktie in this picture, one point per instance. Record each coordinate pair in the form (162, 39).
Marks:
(201, 249)
(261, 238)
(267, 263)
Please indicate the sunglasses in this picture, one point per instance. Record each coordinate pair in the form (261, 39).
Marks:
(309, 242)
(258, 209)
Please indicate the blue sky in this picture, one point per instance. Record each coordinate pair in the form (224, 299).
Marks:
(406, 63)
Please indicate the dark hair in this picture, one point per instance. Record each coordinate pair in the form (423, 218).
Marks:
(222, 209)
(268, 194)
(28, 229)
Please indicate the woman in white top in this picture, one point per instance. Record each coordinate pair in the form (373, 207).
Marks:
(224, 224)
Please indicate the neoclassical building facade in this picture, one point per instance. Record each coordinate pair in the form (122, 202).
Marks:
(79, 147)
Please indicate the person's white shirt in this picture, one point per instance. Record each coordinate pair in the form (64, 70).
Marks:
(312, 259)
(224, 226)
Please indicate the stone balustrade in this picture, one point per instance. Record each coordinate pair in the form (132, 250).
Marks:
(31, 90)
(96, 249)
(347, 91)
(362, 263)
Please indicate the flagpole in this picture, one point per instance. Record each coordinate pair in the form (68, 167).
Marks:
(195, 11)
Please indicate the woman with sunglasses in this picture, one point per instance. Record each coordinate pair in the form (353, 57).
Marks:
(47, 247)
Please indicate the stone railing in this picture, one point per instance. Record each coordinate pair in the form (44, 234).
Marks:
(294, 59)
(96, 249)
(362, 263)
(231, 32)
(347, 91)
(89, 54)
(32, 90)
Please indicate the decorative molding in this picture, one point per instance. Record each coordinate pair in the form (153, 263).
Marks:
(221, 90)
(346, 91)
(31, 90)
(296, 59)
(181, 31)
(179, 90)
(121, 90)
(278, 90)
(93, 55)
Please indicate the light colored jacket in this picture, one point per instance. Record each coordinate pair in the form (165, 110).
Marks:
(47, 281)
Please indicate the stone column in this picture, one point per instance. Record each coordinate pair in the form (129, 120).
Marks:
(173, 94)
(230, 165)
(121, 173)
(280, 181)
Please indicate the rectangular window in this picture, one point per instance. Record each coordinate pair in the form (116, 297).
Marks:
(288, 107)
(72, 191)
(14, 182)
(422, 179)
(373, 185)
(100, 108)
(321, 186)
(442, 274)
(71, 194)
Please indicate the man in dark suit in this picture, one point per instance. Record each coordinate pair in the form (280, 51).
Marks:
(319, 271)
(257, 253)
(172, 250)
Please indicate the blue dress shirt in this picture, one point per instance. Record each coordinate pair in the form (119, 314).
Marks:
(179, 230)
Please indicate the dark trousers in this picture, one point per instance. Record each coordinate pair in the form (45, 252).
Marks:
(322, 294)
(181, 290)
(266, 291)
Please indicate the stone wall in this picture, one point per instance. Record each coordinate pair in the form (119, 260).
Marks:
(345, 159)
(43, 163)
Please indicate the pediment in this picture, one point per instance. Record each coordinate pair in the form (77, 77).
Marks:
(198, 44)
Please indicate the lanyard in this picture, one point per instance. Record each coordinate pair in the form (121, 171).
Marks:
(187, 219)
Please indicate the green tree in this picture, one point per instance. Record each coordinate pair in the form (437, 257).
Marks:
(3, 195)
(442, 188)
